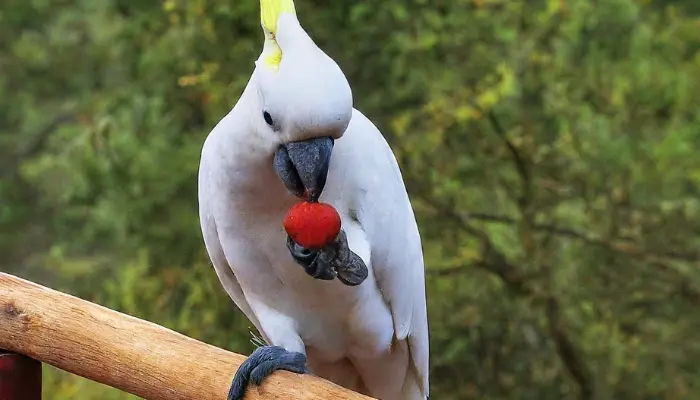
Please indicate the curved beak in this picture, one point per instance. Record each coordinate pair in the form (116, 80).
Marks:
(303, 166)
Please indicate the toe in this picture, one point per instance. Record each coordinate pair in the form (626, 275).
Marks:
(301, 255)
(242, 377)
(353, 272)
(289, 361)
(237, 389)
(321, 267)
(316, 263)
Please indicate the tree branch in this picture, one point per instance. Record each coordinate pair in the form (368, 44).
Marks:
(130, 354)
(496, 263)
(508, 274)
(624, 246)
(520, 165)
(686, 288)
(569, 355)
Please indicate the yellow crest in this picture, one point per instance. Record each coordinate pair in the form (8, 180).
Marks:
(270, 11)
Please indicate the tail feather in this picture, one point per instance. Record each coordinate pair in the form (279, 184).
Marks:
(411, 389)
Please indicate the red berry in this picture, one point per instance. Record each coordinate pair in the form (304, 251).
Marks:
(312, 225)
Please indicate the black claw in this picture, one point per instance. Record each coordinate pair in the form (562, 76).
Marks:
(354, 271)
(309, 259)
(301, 255)
(336, 259)
(261, 363)
(349, 267)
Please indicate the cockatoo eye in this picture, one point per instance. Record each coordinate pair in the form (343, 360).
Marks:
(268, 118)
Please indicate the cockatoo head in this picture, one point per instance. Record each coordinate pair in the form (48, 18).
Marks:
(305, 101)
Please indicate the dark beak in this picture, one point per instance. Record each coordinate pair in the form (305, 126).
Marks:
(303, 166)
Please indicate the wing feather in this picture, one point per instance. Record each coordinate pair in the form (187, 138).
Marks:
(386, 214)
(213, 244)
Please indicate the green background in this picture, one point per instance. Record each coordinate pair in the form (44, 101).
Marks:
(549, 149)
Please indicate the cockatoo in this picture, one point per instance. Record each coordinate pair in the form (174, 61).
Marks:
(295, 134)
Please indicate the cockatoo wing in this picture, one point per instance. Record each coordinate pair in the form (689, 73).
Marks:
(385, 214)
(213, 244)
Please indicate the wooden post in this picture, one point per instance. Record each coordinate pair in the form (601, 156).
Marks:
(20, 377)
(130, 354)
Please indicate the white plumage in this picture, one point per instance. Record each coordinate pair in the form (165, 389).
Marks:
(372, 338)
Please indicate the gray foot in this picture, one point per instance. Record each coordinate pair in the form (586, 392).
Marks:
(263, 362)
(335, 259)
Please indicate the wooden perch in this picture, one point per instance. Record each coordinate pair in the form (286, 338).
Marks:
(130, 354)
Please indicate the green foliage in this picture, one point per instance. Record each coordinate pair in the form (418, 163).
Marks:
(548, 148)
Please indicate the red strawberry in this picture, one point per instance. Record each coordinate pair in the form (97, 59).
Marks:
(312, 225)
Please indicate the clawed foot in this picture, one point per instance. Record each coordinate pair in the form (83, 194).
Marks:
(335, 259)
(263, 362)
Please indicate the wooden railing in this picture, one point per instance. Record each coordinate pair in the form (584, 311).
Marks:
(39, 324)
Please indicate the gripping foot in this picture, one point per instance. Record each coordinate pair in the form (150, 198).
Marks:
(263, 362)
(334, 260)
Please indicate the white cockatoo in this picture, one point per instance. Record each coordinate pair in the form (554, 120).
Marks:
(295, 134)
